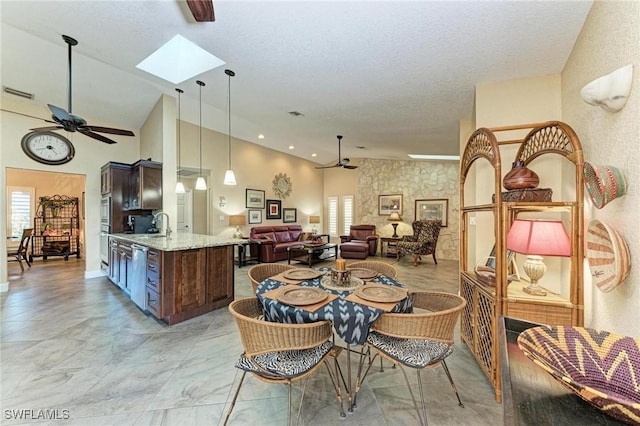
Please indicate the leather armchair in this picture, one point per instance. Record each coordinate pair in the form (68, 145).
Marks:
(365, 234)
(423, 241)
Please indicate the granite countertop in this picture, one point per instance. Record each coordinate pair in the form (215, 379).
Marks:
(177, 241)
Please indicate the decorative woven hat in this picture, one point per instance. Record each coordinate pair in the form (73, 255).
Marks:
(608, 256)
(604, 183)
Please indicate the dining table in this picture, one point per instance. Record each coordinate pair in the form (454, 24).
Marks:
(350, 314)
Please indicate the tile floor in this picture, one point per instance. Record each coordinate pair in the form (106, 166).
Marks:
(81, 349)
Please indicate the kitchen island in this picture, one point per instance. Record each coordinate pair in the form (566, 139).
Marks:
(175, 278)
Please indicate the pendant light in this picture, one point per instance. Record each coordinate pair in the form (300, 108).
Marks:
(229, 176)
(179, 184)
(201, 185)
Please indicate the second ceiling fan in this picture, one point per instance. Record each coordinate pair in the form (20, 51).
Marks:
(342, 162)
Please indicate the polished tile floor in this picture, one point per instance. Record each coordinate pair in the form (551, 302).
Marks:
(82, 350)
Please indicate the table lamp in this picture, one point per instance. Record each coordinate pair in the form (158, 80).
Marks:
(314, 220)
(394, 217)
(237, 220)
(537, 238)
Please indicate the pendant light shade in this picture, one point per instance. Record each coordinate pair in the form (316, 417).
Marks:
(201, 185)
(229, 176)
(179, 185)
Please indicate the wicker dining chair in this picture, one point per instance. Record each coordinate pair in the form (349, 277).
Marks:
(375, 265)
(418, 340)
(261, 272)
(282, 353)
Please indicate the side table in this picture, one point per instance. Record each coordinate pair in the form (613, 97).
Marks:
(244, 251)
(392, 246)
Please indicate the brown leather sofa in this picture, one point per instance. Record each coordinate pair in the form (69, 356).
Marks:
(274, 240)
(365, 234)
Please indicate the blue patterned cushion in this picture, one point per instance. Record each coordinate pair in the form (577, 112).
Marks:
(284, 363)
(416, 353)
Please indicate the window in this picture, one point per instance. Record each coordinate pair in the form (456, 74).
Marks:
(20, 209)
(347, 213)
(332, 204)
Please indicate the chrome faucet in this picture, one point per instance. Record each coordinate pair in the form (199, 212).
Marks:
(168, 227)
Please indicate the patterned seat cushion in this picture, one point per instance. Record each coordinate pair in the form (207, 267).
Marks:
(416, 353)
(284, 363)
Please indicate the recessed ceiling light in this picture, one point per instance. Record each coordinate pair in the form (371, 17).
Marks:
(314, 155)
(260, 136)
(178, 60)
(435, 157)
(291, 147)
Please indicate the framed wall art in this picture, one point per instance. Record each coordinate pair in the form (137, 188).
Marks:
(289, 215)
(389, 203)
(273, 209)
(255, 216)
(436, 208)
(254, 198)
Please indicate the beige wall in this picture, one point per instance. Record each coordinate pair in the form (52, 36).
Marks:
(610, 39)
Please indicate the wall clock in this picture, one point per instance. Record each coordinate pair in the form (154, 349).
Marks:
(282, 185)
(48, 148)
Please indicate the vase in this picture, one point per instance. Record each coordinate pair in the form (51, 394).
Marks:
(520, 177)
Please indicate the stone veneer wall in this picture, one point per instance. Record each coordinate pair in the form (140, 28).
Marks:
(415, 180)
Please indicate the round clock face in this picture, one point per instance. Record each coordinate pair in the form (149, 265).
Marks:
(48, 148)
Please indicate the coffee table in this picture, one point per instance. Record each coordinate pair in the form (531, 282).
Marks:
(312, 253)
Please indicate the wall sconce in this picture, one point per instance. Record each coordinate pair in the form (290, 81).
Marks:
(223, 201)
(611, 91)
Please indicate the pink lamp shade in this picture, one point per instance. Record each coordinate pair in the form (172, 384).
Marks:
(539, 237)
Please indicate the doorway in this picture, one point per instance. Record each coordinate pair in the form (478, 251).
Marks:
(28, 186)
(185, 212)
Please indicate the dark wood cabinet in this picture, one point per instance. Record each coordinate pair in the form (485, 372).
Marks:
(145, 186)
(186, 283)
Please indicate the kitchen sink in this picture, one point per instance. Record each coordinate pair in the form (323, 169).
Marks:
(144, 236)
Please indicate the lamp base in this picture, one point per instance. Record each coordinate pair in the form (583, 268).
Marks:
(535, 268)
(395, 228)
(238, 235)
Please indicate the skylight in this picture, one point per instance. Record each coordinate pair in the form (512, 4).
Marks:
(178, 60)
(435, 157)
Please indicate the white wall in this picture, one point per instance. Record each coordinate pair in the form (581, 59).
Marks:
(610, 39)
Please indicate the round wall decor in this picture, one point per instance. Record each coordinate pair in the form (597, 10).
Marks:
(282, 185)
(48, 148)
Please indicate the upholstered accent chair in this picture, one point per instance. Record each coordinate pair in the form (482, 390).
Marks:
(282, 353)
(422, 242)
(422, 339)
(365, 234)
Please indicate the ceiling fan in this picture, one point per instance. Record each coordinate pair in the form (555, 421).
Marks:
(344, 163)
(72, 123)
(202, 10)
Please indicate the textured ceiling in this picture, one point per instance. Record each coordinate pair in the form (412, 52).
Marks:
(395, 77)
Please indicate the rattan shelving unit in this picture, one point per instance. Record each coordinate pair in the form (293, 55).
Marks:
(479, 321)
(56, 228)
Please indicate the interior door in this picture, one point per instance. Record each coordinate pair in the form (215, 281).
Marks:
(185, 212)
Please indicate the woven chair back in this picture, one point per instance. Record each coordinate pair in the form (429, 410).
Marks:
(435, 321)
(259, 336)
(261, 272)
